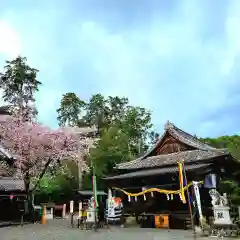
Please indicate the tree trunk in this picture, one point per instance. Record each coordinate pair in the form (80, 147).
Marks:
(80, 173)
(42, 174)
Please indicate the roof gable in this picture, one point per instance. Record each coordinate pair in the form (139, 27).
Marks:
(183, 137)
(195, 151)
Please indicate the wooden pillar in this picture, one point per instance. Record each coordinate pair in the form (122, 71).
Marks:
(44, 219)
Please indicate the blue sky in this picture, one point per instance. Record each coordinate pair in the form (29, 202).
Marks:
(178, 58)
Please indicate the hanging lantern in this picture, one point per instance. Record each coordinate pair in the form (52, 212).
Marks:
(171, 196)
(152, 194)
(135, 198)
(129, 198)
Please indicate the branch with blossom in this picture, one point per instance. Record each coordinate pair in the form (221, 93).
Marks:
(36, 147)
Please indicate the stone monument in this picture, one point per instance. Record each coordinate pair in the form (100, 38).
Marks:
(91, 211)
(220, 208)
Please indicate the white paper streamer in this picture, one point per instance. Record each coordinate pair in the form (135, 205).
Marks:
(144, 197)
(180, 195)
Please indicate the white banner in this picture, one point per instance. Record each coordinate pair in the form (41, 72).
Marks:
(198, 199)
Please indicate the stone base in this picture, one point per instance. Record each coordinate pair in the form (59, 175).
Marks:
(221, 215)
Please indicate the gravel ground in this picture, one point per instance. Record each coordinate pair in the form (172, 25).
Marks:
(60, 230)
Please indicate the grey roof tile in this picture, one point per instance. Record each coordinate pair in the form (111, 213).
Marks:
(11, 184)
(157, 171)
(201, 151)
(172, 158)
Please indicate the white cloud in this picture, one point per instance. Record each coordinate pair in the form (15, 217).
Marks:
(163, 64)
(9, 40)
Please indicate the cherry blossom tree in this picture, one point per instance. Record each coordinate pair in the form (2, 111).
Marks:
(35, 148)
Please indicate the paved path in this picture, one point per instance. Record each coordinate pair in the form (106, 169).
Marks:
(60, 230)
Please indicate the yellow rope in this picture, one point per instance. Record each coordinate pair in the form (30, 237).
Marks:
(154, 190)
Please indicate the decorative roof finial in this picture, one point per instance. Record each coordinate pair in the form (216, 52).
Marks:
(168, 125)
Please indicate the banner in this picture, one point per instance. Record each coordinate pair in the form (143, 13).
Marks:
(94, 185)
(198, 200)
(181, 181)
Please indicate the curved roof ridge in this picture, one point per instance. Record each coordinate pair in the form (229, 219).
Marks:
(187, 138)
(182, 136)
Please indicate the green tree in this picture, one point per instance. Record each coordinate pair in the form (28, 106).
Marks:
(57, 181)
(232, 143)
(112, 148)
(153, 137)
(97, 112)
(123, 130)
(19, 84)
(136, 123)
(117, 107)
(71, 108)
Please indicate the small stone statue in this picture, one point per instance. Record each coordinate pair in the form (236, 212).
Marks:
(224, 198)
(217, 199)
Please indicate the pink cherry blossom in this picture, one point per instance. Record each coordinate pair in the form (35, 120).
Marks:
(35, 147)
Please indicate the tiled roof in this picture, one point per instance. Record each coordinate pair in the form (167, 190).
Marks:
(182, 136)
(11, 184)
(157, 171)
(5, 110)
(90, 193)
(4, 153)
(201, 151)
(172, 158)
(80, 130)
(186, 138)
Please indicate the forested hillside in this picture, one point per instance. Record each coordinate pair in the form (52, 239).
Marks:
(230, 142)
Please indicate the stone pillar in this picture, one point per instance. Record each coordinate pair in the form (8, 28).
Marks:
(71, 211)
(64, 211)
(80, 209)
(51, 212)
